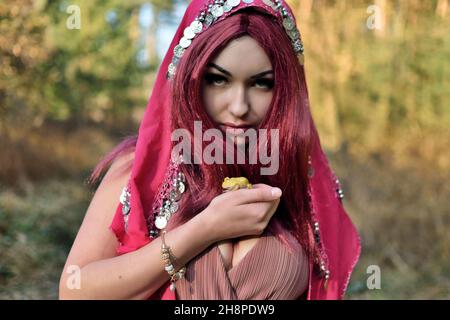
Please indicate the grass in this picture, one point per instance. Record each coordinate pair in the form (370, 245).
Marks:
(37, 231)
(403, 217)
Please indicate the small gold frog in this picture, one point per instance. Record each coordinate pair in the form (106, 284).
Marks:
(231, 184)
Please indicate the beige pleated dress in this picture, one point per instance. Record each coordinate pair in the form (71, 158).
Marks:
(267, 272)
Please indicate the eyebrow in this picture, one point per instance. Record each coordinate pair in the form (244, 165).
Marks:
(215, 66)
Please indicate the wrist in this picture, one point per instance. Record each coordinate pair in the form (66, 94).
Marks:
(206, 227)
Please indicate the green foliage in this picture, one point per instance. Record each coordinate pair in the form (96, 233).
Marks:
(380, 91)
(68, 62)
(51, 70)
(95, 66)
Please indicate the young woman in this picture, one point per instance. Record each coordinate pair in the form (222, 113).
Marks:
(233, 67)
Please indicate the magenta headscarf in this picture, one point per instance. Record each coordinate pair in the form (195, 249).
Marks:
(338, 238)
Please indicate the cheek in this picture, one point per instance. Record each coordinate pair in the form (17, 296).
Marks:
(261, 103)
(211, 102)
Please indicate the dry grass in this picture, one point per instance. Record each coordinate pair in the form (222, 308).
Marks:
(37, 230)
(403, 217)
(52, 151)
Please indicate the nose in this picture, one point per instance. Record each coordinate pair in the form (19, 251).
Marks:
(239, 105)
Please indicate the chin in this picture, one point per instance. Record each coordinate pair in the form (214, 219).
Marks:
(240, 141)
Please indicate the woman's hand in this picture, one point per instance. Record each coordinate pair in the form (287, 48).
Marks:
(242, 212)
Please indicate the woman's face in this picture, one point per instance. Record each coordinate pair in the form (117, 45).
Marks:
(238, 86)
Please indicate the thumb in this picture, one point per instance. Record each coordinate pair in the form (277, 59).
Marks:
(260, 193)
(276, 192)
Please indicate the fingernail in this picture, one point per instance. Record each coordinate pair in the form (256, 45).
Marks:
(276, 192)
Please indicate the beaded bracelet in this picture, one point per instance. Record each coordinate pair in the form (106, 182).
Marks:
(168, 257)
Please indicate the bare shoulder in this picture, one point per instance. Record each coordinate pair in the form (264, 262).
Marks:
(119, 170)
(94, 240)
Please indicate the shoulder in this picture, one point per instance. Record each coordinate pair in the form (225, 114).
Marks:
(120, 169)
(94, 240)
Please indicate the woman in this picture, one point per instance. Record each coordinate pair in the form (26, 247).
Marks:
(231, 64)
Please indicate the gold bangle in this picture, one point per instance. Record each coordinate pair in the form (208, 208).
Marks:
(168, 257)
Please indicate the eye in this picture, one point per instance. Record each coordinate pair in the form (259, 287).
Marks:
(215, 79)
(264, 83)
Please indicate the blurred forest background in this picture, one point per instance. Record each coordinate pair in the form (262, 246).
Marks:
(378, 74)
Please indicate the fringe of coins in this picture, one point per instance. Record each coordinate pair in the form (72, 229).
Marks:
(166, 203)
(321, 260)
(216, 9)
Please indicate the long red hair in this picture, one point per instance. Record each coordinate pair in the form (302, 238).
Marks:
(289, 112)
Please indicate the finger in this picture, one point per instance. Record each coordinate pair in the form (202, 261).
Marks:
(261, 193)
(260, 185)
(234, 188)
(254, 186)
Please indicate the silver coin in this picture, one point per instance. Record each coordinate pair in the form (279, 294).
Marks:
(167, 204)
(288, 24)
(153, 233)
(125, 209)
(181, 177)
(171, 68)
(175, 60)
(217, 10)
(181, 187)
(189, 33)
(227, 7)
(167, 214)
(298, 46)
(174, 207)
(184, 42)
(160, 222)
(268, 2)
(234, 3)
(209, 20)
(178, 51)
(294, 34)
(122, 198)
(196, 26)
(175, 195)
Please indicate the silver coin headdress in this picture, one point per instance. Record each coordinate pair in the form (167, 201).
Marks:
(214, 10)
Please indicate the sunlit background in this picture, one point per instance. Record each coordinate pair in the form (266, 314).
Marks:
(379, 80)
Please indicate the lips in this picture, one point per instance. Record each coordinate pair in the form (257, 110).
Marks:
(234, 126)
(234, 129)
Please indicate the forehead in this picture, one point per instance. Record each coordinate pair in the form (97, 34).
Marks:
(242, 57)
